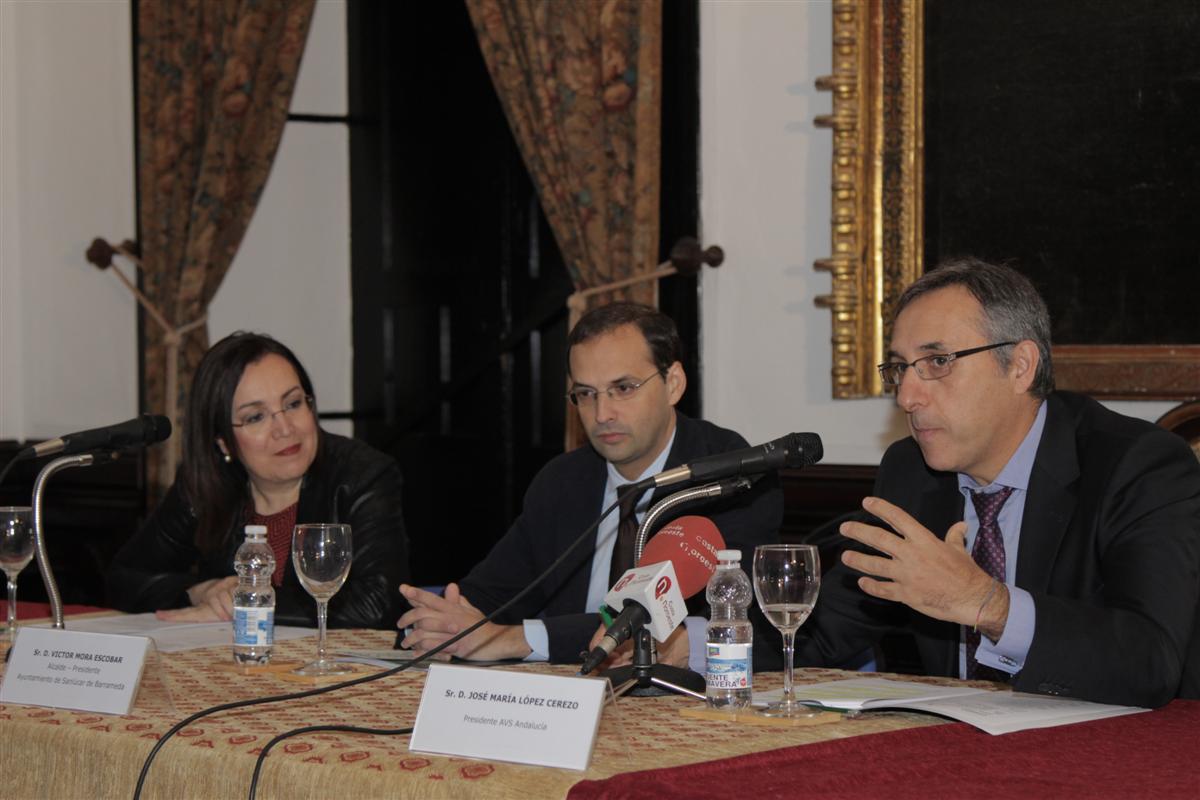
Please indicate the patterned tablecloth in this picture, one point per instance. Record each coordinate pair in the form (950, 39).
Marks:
(54, 753)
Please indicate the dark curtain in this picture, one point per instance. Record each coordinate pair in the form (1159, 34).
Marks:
(215, 80)
(580, 84)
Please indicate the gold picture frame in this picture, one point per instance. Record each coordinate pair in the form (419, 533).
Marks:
(878, 220)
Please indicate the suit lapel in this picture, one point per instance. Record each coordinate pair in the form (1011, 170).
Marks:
(932, 498)
(941, 507)
(1051, 501)
(682, 449)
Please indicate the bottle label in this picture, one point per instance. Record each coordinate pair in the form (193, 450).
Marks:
(253, 627)
(728, 666)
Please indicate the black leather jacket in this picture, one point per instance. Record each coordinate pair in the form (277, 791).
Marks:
(347, 482)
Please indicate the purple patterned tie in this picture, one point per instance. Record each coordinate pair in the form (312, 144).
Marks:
(988, 553)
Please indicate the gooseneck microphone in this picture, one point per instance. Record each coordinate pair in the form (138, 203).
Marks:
(792, 451)
(140, 431)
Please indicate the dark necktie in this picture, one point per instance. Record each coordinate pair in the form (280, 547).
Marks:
(627, 527)
(988, 553)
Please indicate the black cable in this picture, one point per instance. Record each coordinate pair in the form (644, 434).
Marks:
(262, 756)
(137, 792)
(243, 703)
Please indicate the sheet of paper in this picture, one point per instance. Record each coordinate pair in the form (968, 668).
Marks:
(995, 712)
(853, 693)
(379, 658)
(1006, 712)
(173, 637)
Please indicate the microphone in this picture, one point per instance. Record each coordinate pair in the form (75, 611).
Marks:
(794, 450)
(675, 565)
(140, 431)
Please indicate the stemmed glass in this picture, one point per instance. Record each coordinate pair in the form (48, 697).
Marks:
(321, 553)
(787, 578)
(16, 551)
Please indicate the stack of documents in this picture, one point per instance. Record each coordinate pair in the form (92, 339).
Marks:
(995, 712)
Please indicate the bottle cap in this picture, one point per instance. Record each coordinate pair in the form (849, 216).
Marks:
(729, 555)
(256, 530)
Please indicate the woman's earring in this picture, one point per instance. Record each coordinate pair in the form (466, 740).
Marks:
(228, 458)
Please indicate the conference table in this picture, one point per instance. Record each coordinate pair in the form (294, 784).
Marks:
(646, 747)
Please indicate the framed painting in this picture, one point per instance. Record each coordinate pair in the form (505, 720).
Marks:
(1062, 138)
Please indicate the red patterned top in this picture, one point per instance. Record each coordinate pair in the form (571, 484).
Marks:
(279, 536)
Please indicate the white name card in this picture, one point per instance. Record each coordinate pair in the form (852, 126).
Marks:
(524, 717)
(57, 668)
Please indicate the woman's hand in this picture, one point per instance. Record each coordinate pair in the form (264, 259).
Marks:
(212, 601)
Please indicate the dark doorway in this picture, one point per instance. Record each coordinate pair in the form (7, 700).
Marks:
(458, 286)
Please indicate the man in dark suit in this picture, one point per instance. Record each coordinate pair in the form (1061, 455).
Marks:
(626, 377)
(1019, 534)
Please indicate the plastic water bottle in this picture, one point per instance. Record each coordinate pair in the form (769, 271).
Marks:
(254, 599)
(729, 675)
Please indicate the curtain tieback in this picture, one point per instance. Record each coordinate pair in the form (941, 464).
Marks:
(100, 254)
(687, 257)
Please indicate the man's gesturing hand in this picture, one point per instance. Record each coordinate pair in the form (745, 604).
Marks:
(937, 578)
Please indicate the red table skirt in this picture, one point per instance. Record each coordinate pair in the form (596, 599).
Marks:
(1155, 754)
(40, 610)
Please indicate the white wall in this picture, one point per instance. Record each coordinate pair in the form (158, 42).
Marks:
(765, 198)
(68, 336)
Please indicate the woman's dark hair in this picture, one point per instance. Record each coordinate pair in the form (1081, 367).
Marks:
(217, 491)
(657, 328)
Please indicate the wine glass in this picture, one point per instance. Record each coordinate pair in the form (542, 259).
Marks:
(787, 578)
(16, 550)
(321, 553)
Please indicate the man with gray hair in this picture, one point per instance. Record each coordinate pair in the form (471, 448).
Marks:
(1020, 533)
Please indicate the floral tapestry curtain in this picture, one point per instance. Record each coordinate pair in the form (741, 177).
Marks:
(215, 80)
(580, 84)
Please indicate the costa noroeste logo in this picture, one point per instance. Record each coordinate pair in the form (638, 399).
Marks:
(662, 587)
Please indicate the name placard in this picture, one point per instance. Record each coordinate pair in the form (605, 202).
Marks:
(503, 715)
(84, 671)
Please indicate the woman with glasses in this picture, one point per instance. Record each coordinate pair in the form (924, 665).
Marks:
(254, 454)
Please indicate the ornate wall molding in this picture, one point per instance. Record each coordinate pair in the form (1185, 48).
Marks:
(877, 180)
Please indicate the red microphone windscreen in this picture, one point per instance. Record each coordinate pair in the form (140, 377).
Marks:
(691, 544)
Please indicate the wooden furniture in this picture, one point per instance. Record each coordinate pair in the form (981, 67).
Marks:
(89, 515)
(1185, 421)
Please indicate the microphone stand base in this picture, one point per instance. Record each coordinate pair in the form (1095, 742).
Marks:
(655, 680)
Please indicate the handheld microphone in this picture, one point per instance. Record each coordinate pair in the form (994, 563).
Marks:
(675, 565)
(794, 451)
(140, 431)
